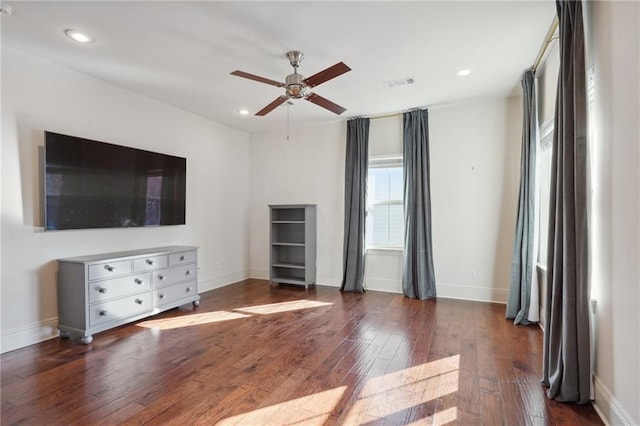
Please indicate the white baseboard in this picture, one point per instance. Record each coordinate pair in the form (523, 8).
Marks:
(28, 335)
(476, 294)
(383, 284)
(259, 274)
(329, 281)
(447, 291)
(217, 281)
(608, 407)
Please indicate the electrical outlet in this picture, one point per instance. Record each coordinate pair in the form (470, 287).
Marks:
(472, 274)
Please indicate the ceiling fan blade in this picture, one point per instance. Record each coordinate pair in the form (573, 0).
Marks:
(327, 74)
(273, 105)
(257, 78)
(325, 103)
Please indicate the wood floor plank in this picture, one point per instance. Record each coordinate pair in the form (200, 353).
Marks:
(254, 354)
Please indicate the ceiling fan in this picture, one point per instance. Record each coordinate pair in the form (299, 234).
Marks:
(296, 86)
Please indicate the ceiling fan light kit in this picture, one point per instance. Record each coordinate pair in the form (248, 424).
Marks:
(296, 86)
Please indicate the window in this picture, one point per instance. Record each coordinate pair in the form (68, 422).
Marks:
(545, 153)
(385, 213)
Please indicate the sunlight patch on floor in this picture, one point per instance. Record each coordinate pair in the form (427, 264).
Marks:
(379, 398)
(273, 308)
(391, 393)
(438, 419)
(192, 319)
(313, 409)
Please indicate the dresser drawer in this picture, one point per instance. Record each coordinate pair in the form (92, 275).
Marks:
(150, 263)
(181, 258)
(110, 269)
(174, 275)
(100, 291)
(174, 293)
(119, 309)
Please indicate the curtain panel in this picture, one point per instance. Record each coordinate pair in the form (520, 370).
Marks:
(522, 305)
(566, 355)
(418, 276)
(355, 204)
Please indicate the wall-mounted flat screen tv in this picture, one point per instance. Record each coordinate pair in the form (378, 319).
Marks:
(91, 184)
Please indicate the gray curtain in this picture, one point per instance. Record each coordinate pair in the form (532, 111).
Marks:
(523, 261)
(566, 356)
(355, 204)
(418, 276)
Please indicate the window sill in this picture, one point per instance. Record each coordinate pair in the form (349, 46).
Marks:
(385, 250)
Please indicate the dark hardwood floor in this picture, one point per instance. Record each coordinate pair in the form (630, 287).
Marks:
(254, 354)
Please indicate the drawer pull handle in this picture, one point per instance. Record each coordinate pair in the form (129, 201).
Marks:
(138, 281)
(182, 258)
(161, 296)
(188, 272)
(109, 268)
(139, 301)
(188, 289)
(102, 290)
(103, 313)
(150, 262)
(161, 277)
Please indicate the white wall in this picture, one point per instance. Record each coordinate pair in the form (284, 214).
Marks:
(38, 95)
(474, 179)
(475, 160)
(613, 49)
(306, 169)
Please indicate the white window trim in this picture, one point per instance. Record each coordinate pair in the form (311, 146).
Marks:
(385, 161)
(387, 251)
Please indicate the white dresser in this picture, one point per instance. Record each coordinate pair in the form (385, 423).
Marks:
(102, 291)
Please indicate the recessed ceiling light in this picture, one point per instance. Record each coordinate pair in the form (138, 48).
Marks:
(243, 111)
(464, 72)
(79, 36)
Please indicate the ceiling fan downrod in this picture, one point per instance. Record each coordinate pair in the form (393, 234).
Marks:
(294, 84)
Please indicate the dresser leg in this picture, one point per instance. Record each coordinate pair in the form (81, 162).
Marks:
(196, 303)
(87, 339)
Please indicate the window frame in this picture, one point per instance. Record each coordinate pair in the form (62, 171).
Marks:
(384, 162)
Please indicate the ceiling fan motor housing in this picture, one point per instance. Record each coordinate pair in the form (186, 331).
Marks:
(295, 86)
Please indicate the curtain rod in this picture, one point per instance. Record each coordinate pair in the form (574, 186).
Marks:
(393, 114)
(545, 44)
(377, 117)
(400, 113)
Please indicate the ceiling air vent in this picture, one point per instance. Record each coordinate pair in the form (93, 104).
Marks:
(399, 82)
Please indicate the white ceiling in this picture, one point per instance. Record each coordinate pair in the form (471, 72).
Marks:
(182, 53)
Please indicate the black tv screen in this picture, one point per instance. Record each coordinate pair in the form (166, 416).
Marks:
(91, 184)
